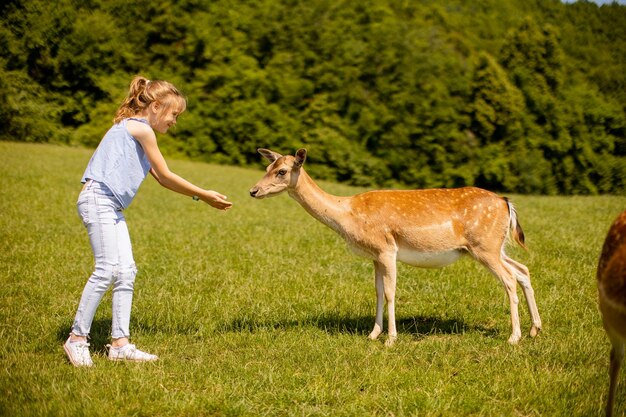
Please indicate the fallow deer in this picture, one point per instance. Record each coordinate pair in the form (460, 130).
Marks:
(424, 228)
(611, 279)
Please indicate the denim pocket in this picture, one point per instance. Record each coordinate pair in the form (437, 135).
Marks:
(95, 207)
(82, 207)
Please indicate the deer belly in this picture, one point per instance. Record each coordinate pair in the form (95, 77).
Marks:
(428, 259)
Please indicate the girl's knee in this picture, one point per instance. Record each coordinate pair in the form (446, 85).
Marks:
(125, 278)
(103, 273)
(129, 270)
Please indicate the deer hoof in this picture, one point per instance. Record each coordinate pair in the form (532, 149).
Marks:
(375, 333)
(534, 331)
(390, 341)
(514, 339)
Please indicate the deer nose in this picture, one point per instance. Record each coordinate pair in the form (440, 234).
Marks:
(253, 192)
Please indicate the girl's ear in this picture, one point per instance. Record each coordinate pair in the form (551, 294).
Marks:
(154, 106)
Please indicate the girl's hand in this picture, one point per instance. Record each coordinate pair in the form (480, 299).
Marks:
(215, 199)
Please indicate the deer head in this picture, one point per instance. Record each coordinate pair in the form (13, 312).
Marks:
(281, 174)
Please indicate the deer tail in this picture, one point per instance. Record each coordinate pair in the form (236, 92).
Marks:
(515, 229)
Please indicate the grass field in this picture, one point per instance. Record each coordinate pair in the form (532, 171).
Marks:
(262, 311)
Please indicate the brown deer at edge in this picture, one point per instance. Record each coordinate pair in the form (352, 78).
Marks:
(611, 279)
(424, 228)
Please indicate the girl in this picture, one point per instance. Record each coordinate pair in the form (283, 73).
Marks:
(128, 151)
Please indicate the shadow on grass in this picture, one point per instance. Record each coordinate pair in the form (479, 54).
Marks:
(335, 324)
(419, 327)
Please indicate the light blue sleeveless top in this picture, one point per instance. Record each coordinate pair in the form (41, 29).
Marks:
(119, 162)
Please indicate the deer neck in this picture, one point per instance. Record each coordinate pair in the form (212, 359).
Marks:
(326, 208)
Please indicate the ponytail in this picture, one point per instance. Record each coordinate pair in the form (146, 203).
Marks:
(143, 92)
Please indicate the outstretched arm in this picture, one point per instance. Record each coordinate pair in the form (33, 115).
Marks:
(176, 183)
(168, 179)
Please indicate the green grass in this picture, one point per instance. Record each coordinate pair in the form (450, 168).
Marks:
(262, 311)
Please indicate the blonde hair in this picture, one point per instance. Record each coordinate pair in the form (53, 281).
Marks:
(143, 92)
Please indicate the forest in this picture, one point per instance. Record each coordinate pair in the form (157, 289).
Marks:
(522, 96)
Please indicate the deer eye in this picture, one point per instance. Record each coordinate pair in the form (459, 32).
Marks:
(282, 172)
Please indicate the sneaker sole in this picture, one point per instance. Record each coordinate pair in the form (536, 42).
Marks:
(132, 360)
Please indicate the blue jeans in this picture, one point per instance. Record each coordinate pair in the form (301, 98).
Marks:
(102, 215)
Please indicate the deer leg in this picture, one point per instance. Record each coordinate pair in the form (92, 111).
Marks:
(498, 268)
(522, 275)
(380, 302)
(386, 272)
(617, 357)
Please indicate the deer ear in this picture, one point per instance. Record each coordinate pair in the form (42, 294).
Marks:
(269, 155)
(300, 157)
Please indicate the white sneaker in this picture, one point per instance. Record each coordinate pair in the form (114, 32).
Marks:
(78, 353)
(130, 353)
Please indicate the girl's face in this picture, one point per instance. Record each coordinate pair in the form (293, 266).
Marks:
(164, 115)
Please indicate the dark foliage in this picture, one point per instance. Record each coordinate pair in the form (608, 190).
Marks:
(513, 95)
